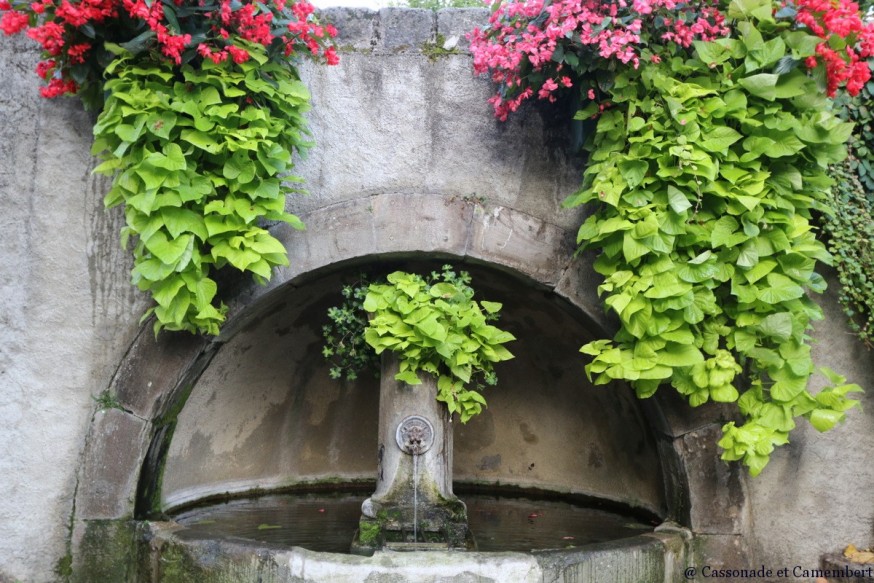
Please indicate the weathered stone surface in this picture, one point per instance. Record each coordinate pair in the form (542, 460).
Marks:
(344, 231)
(116, 446)
(723, 551)
(267, 408)
(680, 418)
(454, 24)
(67, 311)
(356, 27)
(677, 542)
(649, 559)
(676, 483)
(527, 244)
(423, 223)
(409, 124)
(106, 550)
(405, 29)
(644, 558)
(144, 381)
(579, 285)
(716, 489)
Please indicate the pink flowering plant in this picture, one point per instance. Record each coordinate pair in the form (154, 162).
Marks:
(534, 48)
(714, 133)
(538, 49)
(201, 112)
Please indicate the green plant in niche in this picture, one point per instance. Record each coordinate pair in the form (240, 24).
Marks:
(345, 348)
(434, 326)
(199, 158)
(438, 48)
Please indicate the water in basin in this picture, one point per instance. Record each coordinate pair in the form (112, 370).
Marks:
(327, 522)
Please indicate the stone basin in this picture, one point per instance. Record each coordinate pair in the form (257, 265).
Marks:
(652, 558)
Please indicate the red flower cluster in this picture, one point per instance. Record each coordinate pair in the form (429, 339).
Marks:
(13, 22)
(70, 31)
(828, 19)
(519, 47)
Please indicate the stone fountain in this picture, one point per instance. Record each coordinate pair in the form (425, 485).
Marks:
(320, 440)
(413, 506)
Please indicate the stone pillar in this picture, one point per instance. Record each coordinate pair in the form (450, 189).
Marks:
(413, 506)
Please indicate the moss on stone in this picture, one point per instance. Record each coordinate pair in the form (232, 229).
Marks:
(435, 50)
(107, 552)
(64, 567)
(368, 532)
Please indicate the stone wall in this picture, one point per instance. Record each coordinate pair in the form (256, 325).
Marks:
(403, 117)
(67, 312)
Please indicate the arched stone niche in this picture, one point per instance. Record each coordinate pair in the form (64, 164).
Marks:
(242, 400)
(264, 414)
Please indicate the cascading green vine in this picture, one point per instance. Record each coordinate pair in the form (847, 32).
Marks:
(433, 325)
(705, 173)
(199, 158)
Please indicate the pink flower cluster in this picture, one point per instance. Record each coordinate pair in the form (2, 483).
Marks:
(839, 18)
(68, 30)
(519, 46)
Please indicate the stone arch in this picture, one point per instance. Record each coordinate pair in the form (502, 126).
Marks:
(439, 224)
(155, 378)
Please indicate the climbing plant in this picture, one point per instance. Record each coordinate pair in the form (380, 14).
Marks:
(201, 111)
(849, 232)
(433, 325)
(858, 110)
(849, 229)
(707, 164)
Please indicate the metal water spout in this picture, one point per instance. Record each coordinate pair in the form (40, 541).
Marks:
(413, 506)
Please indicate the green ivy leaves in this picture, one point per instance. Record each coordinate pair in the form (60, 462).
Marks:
(849, 231)
(439, 329)
(705, 173)
(199, 159)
